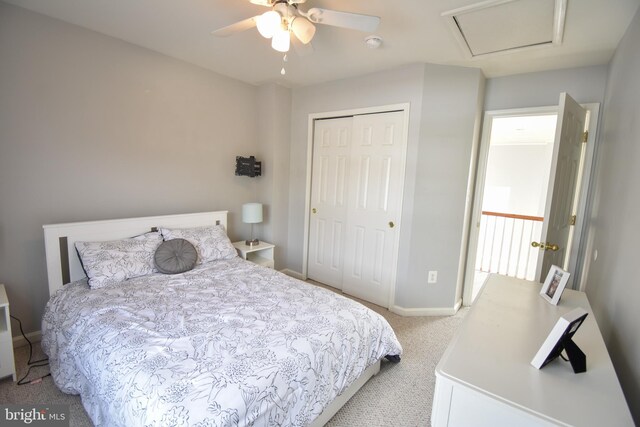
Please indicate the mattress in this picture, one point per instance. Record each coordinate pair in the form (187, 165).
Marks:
(227, 343)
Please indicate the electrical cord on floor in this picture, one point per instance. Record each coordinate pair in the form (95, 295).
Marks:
(31, 363)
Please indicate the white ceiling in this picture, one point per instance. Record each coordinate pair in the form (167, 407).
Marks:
(509, 25)
(524, 130)
(413, 31)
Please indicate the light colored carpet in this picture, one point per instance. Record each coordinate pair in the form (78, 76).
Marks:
(400, 395)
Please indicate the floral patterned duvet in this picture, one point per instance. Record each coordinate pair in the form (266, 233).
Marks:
(228, 343)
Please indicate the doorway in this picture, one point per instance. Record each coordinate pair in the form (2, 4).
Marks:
(514, 195)
(518, 169)
(354, 194)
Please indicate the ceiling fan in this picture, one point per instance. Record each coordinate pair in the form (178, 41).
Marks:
(286, 17)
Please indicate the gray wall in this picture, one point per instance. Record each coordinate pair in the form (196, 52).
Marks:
(274, 126)
(541, 89)
(443, 113)
(451, 110)
(612, 285)
(94, 128)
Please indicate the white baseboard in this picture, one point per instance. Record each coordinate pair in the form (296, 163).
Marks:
(431, 311)
(292, 273)
(402, 311)
(34, 337)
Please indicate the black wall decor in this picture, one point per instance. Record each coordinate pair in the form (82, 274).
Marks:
(248, 166)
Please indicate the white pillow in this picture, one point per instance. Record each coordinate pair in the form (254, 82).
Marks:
(111, 262)
(211, 242)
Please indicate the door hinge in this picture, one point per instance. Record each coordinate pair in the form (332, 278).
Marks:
(585, 136)
(572, 220)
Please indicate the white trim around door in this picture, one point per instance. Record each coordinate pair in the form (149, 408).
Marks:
(578, 264)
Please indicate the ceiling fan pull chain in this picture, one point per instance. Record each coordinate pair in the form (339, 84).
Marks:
(284, 59)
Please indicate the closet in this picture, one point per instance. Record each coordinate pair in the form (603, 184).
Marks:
(356, 202)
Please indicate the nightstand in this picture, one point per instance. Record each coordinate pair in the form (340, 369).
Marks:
(7, 363)
(261, 254)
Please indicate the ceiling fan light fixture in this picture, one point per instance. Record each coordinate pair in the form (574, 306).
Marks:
(281, 40)
(268, 23)
(303, 29)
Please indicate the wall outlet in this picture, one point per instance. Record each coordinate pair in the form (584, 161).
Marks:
(432, 277)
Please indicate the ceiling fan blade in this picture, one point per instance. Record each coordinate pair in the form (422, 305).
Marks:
(267, 3)
(271, 2)
(300, 48)
(354, 21)
(235, 28)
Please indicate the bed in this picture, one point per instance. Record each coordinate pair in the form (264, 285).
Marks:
(225, 343)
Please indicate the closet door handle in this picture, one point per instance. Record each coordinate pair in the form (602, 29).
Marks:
(391, 224)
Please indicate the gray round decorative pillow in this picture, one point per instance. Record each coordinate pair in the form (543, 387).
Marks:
(175, 256)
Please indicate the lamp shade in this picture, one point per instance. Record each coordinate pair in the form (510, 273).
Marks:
(252, 213)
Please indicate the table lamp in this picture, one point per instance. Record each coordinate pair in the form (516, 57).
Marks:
(252, 214)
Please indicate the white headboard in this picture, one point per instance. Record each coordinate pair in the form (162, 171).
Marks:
(63, 265)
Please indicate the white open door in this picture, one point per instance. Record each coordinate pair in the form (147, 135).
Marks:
(563, 187)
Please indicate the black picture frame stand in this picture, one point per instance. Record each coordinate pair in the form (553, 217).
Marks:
(576, 357)
(559, 340)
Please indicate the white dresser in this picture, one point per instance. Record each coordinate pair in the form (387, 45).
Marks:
(485, 377)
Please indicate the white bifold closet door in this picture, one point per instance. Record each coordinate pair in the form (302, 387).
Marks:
(356, 203)
(331, 154)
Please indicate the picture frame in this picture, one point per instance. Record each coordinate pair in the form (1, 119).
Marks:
(560, 339)
(554, 284)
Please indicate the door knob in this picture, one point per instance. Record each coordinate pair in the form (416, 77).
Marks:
(545, 246)
(314, 210)
(552, 247)
(391, 224)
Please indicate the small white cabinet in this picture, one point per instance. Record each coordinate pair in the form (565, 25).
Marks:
(7, 363)
(485, 377)
(261, 254)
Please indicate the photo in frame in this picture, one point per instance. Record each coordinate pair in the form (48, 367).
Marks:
(554, 284)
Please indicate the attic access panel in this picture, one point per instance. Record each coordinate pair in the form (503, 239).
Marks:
(498, 26)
